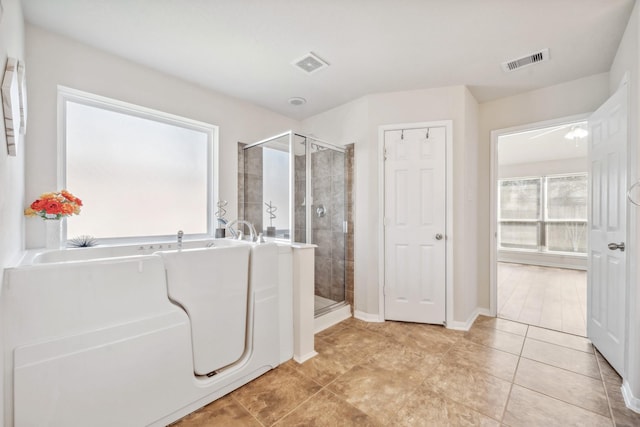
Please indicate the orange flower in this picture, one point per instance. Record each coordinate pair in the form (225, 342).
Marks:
(53, 206)
(38, 205)
(67, 209)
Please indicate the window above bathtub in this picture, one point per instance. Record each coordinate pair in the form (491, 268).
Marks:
(142, 174)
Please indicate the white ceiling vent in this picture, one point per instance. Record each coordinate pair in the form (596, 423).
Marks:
(310, 63)
(533, 58)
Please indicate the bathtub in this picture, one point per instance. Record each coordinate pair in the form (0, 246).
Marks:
(113, 335)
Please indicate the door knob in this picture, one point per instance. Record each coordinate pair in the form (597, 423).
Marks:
(438, 236)
(614, 246)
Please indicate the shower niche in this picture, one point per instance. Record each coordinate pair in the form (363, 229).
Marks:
(295, 187)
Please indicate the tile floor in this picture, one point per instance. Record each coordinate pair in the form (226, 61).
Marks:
(552, 298)
(402, 374)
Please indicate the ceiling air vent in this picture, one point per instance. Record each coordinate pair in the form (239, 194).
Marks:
(533, 58)
(310, 63)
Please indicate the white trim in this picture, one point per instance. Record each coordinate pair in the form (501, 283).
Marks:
(331, 318)
(493, 199)
(306, 357)
(66, 94)
(630, 400)
(448, 125)
(465, 326)
(367, 317)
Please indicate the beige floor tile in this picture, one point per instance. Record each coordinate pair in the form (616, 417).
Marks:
(407, 374)
(327, 410)
(356, 341)
(404, 361)
(426, 339)
(529, 408)
(561, 357)
(484, 393)
(428, 408)
(580, 390)
(608, 373)
(377, 392)
(222, 412)
(470, 355)
(276, 393)
(553, 298)
(494, 338)
(502, 325)
(566, 340)
(328, 364)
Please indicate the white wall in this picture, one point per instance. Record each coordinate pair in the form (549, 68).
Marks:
(55, 60)
(567, 99)
(358, 122)
(628, 60)
(12, 198)
(11, 168)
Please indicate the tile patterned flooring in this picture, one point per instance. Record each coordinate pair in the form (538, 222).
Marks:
(499, 373)
(552, 298)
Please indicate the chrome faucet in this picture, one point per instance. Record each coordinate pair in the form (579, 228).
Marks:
(238, 234)
(180, 234)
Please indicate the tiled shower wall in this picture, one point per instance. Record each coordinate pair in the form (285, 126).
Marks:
(328, 186)
(300, 189)
(250, 203)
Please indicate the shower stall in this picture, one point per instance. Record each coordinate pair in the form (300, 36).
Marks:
(294, 187)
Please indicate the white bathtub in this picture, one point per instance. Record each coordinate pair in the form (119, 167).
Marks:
(91, 336)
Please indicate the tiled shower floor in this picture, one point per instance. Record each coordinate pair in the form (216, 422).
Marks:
(401, 374)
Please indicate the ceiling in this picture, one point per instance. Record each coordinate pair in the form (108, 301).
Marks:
(543, 145)
(244, 48)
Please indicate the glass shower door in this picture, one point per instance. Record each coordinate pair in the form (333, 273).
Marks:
(326, 224)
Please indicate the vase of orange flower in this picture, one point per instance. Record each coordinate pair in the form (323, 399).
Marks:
(52, 207)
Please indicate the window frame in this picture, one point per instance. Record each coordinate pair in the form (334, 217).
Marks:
(66, 94)
(542, 220)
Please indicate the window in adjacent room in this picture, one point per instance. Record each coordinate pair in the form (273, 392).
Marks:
(140, 173)
(546, 214)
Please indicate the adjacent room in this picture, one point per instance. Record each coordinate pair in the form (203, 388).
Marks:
(542, 227)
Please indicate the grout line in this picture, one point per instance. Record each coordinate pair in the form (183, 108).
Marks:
(247, 410)
(604, 386)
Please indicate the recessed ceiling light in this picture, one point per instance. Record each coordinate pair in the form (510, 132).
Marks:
(296, 100)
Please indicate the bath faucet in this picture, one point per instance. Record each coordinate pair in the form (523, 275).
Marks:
(238, 234)
(180, 234)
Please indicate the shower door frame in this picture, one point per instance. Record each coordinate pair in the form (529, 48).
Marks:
(308, 212)
(308, 141)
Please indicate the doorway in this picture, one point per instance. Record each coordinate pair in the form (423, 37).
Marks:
(540, 228)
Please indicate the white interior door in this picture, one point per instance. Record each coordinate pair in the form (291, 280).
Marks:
(606, 283)
(415, 224)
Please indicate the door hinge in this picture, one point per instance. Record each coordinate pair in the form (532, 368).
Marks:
(385, 154)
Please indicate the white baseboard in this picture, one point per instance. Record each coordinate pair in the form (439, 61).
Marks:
(331, 318)
(306, 357)
(465, 326)
(630, 400)
(367, 317)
